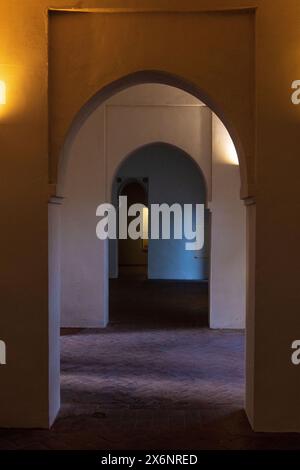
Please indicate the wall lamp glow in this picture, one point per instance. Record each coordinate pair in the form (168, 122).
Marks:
(2, 92)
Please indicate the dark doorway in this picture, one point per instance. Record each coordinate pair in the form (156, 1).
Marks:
(133, 254)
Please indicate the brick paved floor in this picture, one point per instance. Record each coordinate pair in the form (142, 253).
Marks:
(156, 378)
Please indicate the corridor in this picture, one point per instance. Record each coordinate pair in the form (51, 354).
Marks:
(155, 355)
(155, 378)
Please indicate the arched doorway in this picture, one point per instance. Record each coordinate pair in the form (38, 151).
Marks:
(102, 279)
(139, 78)
(169, 176)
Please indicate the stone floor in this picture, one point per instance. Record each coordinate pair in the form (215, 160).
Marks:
(156, 378)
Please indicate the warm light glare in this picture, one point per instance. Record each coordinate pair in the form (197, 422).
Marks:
(231, 153)
(2, 92)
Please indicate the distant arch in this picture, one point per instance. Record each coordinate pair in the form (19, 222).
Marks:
(145, 166)
(167, 145)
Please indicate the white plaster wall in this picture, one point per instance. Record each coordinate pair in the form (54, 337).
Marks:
(84, 299)
(131, 119)
(54, 241)
(228, 236)
(187, 127)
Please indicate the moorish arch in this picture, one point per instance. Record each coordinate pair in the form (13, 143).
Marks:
(137, 148)
(151, 160)
(138, 78)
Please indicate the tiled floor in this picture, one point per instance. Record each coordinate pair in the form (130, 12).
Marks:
(156, 378)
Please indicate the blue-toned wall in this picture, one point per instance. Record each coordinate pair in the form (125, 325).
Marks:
(172, 177)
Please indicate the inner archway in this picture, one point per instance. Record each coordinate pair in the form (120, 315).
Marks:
(168, 175)
(174, 289)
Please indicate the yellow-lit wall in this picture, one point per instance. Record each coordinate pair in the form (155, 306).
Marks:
(245, 63)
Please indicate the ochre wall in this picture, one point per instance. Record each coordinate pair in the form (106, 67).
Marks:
(217, 53)
(277, 319)
(181, 45)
